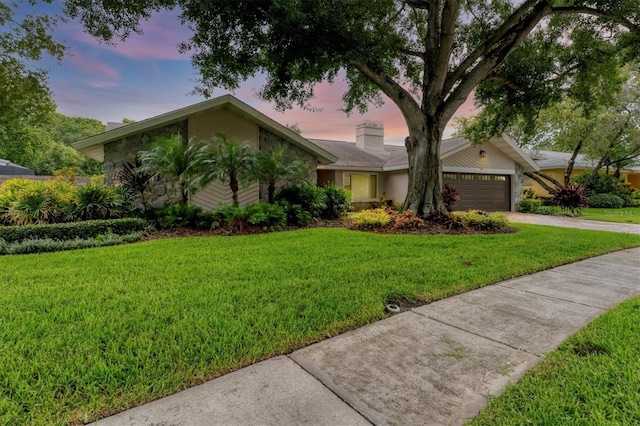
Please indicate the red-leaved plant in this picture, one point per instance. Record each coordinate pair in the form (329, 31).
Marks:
(449, 196)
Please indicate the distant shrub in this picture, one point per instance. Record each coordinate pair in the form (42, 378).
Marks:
(73, 230)
(94, 201)
(310, 197)
(338, 202)
(571, 197)
(175, 216)
(42, 245)
(529, 205)
(481, 220)
(549, 210)
(372, 218)
(24, 202)
(529, 194)
(271, 216)
(407, 219)
(296, 215)
(606, 201)
(449, 196)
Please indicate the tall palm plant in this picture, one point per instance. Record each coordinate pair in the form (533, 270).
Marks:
(231, 161)
(181, 163)
(273, 168)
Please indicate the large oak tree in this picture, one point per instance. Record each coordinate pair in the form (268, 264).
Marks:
(426, 56)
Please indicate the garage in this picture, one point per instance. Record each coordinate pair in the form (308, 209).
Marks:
(481, 191)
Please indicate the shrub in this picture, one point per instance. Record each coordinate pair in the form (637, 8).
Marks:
(97, 202)
(449, 196)
(372, 218)
(271, 216)
(73, 230)
(529, 205)
(36, 202)
(481, 220)
(444, 219)
(606, 201)
(43, 245)
(310, 197)
(338, 202)
(233, 216)
(175, 216)
(571, 197)
(407, 219)
(296, 215)
(549, 210)
(529, 194)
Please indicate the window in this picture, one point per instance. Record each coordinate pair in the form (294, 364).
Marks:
(361, 186)
(484, 177)
(467, 177)
(501, 178)
(449, 176)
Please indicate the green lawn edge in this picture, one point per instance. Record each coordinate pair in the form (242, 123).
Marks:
(623, 215)
(592, 378)
(89, 333)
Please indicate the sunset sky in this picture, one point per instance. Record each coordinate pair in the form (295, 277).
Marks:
(146, 76)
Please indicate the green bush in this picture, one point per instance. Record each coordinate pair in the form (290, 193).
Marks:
(571, 197)
(24, 201)
(97, 202)
(338, 202)
(176, 216)
(549, 210)
(296, 215)
(371, 218)
(42, 245)
(72, 230)
(609, 201)
(272, 216)
(310, 197)
(481, 220)
(529, 205)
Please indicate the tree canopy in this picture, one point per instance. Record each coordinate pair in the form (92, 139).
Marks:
(426, 56)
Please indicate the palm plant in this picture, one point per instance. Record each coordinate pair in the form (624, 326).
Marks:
(179, 162)
(231, 161)
(273, 168)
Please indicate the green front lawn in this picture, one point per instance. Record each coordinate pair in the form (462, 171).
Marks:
(624, 215)
(592, 379)
(88, 333)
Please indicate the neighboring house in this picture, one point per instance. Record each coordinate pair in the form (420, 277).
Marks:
(554, 164)
(7, 168)
(488, 176)
(201, 121)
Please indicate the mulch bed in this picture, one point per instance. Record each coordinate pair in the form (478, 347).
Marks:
(427, 229)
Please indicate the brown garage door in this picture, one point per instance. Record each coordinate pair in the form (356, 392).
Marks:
(480, 191)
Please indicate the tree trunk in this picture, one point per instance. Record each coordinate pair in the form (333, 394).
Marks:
(272, 191)
(425, 170)
(572, 161)
(233, 184)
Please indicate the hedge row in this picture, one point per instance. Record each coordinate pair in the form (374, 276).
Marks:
(73, 230)
(48, 245)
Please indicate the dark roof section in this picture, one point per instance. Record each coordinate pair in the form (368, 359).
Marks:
(8, 168)
(393, 158)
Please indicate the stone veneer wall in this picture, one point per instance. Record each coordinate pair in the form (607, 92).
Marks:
(269, 142)
(124, 150)
(518, 185)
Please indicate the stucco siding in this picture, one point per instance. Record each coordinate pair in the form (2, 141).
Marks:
(396, 184)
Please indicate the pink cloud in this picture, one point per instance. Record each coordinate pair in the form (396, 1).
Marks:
(161, 35)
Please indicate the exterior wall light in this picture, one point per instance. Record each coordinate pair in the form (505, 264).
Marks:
(483, 154)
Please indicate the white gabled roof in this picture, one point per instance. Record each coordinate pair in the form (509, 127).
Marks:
(93, 146)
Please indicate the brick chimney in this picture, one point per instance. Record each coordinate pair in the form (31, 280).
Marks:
(370, 135)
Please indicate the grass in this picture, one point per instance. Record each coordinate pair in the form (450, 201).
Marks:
(88, 333)
(593, 378)
(624, 215)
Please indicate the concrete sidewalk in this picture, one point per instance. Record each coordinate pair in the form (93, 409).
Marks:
(433, 365)
(570, 222)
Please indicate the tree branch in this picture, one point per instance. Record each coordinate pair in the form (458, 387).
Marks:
(540, 177)
(572, 162)
(410, 52)
(580, 10)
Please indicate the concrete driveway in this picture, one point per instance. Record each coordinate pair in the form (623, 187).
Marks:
(570, 222)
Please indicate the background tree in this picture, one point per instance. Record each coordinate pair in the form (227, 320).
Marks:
(180, 163)
(427, 56)
(273, 167)
(230, 161)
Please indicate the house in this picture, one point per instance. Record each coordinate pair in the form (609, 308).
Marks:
(200, 122)
(554, 164)
(488, 176)
(7, 168)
